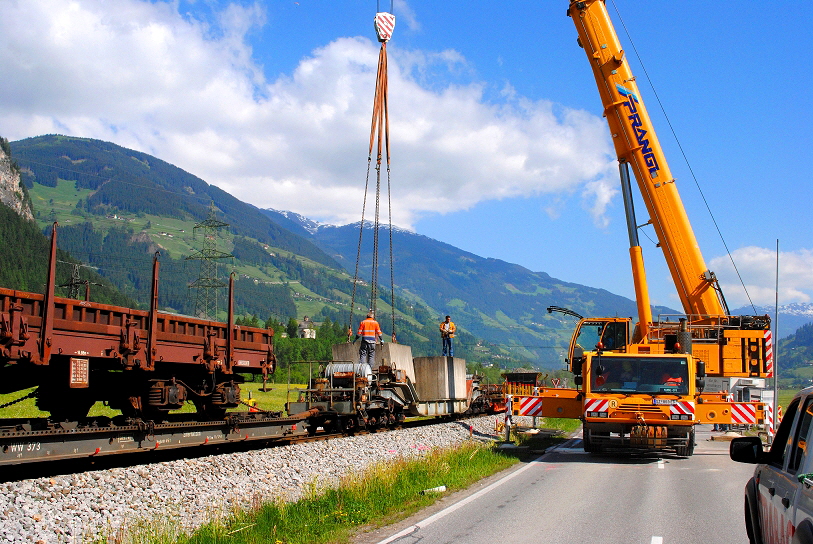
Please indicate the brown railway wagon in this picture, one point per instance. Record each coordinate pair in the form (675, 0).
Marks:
(143, 362)
(89, 329)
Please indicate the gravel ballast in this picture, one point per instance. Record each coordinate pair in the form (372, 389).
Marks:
(187, 493)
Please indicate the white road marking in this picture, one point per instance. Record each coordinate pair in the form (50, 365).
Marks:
(661, 464)
(446, 511)
(656, 540)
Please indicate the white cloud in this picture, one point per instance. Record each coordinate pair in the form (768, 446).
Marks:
(757, 266)
(143, 76)
(403, 13)
(598, 195)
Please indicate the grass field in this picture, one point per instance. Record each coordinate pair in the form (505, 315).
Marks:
(273, 401)
(785, 396)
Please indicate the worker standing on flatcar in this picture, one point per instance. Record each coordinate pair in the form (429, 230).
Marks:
(447, 329)
(370, 333)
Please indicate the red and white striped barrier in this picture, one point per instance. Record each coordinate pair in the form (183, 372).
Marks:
(595, 406)
(768, 354)
(530, 406)
(743, 413)
(682, 408)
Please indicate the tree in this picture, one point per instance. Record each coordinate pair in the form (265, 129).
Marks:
(292, 328)
(275, 324)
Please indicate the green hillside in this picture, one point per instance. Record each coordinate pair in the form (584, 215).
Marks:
(278, 278)
(109, 179)
(795, 359)
(24, 263)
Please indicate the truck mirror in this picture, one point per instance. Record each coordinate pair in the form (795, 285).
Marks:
(700, 384)
(746, 450)
(701, 369)
(578, 380)
(577, 366)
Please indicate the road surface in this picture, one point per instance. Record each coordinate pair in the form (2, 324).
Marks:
(568, 495)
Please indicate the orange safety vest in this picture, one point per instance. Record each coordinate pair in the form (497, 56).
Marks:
(370, 330)
(447, 331)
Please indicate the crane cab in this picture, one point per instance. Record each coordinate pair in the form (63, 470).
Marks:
(602, 334)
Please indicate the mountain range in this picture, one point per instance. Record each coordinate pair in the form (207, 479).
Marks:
(116, 207)
(791, 316)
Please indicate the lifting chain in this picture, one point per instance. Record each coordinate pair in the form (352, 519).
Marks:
(380, 140)
(28, 396)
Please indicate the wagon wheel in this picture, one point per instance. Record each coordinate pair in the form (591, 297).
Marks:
(64, 405)
(207, 410)
(348, 424)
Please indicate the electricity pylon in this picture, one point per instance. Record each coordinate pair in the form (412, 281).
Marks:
(208, 283)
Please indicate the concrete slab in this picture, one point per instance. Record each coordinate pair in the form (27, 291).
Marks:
(440, 377)
(396, 355)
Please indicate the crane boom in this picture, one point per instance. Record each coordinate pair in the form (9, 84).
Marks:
(649, 389)
(637, 145)
(729, 345)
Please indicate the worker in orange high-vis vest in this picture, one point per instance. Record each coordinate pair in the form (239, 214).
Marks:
(370, 333)
(447, 330)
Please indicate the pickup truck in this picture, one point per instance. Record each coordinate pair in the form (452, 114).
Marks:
(779, 497)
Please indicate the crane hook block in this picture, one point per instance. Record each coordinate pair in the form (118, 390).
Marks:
(384, 25)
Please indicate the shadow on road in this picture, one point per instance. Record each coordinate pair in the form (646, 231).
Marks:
(573, 451)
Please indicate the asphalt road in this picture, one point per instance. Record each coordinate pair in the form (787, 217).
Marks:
(567, 496)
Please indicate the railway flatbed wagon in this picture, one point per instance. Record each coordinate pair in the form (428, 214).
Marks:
(142, 362)
(350, 395)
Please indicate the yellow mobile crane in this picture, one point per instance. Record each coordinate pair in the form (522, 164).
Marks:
(642, 386)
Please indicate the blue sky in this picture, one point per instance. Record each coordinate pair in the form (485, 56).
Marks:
(498, 143)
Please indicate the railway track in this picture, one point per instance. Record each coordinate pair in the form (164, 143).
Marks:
(37, 447)
(41, 440)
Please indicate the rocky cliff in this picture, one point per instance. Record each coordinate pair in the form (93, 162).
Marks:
(12, 192)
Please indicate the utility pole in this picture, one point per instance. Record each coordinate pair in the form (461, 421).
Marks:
(73, 285)
(208, 283)
(76, 282)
